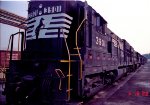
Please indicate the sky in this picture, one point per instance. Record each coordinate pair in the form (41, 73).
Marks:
(17, 7)
(129, 19)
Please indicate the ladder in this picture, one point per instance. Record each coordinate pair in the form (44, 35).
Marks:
(70, 60)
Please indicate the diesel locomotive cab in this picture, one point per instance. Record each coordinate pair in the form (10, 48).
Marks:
(43, 76)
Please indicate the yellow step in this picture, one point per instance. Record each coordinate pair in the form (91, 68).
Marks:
(68, 90)
(77, 48)
(74, 54)
(64, 61)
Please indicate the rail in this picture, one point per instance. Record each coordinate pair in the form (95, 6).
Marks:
(22, 42)
(4, 68)
(62, 74)
(69, 61)
(81, 62)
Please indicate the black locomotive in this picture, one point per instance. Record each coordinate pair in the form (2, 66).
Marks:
(67, 54)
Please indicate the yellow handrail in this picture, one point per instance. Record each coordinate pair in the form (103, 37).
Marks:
(69, 72)
(56, 70)
(81, 62)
